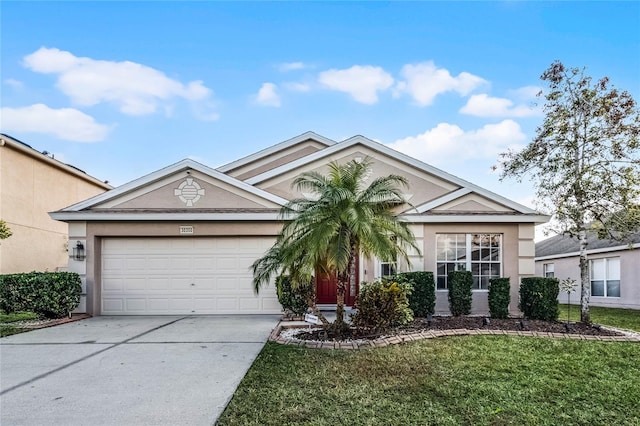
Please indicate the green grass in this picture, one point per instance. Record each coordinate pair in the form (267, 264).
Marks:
(622, 318)
(6, 320)
(17, 316)
(480, 380)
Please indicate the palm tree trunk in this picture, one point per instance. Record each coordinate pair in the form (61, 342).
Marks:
(341, 285)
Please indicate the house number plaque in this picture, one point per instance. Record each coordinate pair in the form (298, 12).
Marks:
(186, 230)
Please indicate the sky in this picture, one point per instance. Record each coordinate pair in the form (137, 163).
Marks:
(120, 89)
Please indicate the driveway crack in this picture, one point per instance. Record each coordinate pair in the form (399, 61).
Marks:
(63, 367)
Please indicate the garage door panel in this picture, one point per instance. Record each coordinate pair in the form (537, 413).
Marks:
(183, 276)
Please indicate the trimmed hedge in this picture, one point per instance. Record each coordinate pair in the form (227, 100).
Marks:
(499, 297)
(460, 285)
(539, 298)
(422, 301)
(382, 305)
(49, 294)
(292, 299)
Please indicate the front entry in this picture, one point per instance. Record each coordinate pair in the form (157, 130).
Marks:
(326, 286)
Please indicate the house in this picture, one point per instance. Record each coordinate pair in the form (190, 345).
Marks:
(614, 268)
(181, 240)
(32, 184)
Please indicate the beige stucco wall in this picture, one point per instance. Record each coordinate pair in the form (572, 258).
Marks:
(31, 186)
(517, 259)
(569, 267)
(276, 159)
(422, 187)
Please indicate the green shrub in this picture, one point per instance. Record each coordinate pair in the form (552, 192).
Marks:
(294, 299)
(382, 305)
(49, 294)
(499, 297)
(422, 300)
(460, 284)
(539, 298)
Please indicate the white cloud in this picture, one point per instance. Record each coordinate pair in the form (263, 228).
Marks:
(65, 123)
(291, 66)
(526, 93)
(134, 88)
(448, 143)
(362, 82)
(268, 95)
(425, 81)
(486, 106)
(297, 87)
(16, 84)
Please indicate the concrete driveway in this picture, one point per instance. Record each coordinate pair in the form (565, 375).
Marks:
(128, 370)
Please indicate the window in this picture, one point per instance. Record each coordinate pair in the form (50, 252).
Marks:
(387, 269)
(479, 253)
(605, 277)
(548, 270)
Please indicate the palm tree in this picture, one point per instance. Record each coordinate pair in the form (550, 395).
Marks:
(344, 218)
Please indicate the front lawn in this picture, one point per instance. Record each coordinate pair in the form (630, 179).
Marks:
(7, 322)
(622, 318)
(480, 380)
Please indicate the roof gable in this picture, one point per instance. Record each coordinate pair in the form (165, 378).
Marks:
(444, 179)
(186, 184)
(276, 155)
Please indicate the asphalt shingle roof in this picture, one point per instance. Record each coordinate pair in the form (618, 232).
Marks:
(562, 244)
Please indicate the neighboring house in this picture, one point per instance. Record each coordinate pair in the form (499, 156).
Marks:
(614, 268)
(181, 240)
(32, 184)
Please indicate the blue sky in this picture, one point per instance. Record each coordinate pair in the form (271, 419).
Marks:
(121, 89)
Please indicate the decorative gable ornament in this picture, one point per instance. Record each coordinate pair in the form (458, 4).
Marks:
(189, 192)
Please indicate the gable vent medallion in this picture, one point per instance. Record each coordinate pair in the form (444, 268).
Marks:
(189, 192)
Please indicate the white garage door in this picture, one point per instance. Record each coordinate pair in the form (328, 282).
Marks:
(164, 276)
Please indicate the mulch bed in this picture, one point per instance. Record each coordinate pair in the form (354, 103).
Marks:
(469, 323)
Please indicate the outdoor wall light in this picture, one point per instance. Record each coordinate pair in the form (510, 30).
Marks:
(78, 251)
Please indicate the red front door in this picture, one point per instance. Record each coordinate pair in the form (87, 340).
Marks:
(326, 286)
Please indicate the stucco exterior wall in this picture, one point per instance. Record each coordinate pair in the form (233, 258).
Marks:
(569, 267)
(31, 186)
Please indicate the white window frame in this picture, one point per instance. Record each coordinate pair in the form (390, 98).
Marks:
(548, 270)
(467, 263)
(607, 275)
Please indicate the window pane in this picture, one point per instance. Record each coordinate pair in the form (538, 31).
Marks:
(461, 267)
(475, 254)
(486, 255)
(442, 269)
(461, 253)
(442, 283)
(495, 255)
(495, 269)
(476, 283)
(485, 269)
(613, 268)
(597, 269)
(475, 268)
(484, 283)
(613, 288)
(597, 288)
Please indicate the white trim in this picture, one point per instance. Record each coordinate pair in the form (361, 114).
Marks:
(275, 148)
(443, 200)
(592, 251)
(489, 218)
(393, 154)
(169, 170)
(145, 217)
